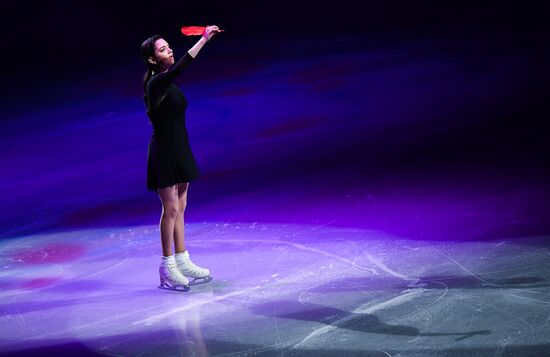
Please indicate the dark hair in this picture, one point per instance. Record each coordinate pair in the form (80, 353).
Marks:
(148, 51)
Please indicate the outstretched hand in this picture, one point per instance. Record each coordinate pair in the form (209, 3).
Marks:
(210, 31)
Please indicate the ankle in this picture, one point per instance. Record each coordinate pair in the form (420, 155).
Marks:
(167, 259)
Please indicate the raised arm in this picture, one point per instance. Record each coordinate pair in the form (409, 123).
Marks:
(206, 36)
(185, 60)
(159, 84)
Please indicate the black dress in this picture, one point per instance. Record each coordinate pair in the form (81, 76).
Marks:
(170, 160)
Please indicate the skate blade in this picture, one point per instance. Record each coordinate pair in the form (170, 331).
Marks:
(199, 281)
(181, 288)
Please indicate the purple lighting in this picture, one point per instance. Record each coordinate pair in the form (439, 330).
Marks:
(377, 192)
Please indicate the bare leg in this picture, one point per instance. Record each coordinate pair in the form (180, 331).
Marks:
(169, 198)
(179, 230)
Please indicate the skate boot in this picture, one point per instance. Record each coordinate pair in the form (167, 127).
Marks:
(170, 277)
(188, 268)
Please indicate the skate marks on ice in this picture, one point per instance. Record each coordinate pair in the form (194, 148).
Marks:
(277, 289)
(361, 319)
(423, 298)
(432, 296)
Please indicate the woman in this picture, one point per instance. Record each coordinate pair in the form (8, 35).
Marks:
(170, 162)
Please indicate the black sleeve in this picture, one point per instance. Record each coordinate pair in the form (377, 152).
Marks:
(159, 83)
(178, 67)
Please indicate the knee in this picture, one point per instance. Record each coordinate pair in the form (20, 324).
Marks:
(170, 210)
(181, 206)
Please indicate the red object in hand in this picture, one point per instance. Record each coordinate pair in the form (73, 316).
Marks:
(193, 30)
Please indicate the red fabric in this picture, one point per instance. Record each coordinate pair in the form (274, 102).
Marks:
(192, 30)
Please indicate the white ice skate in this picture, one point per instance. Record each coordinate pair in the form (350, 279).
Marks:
(171, 278)
(188, 268)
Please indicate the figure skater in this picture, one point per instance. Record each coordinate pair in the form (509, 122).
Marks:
(170, 162)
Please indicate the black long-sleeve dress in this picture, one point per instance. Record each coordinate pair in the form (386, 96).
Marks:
(170, 159)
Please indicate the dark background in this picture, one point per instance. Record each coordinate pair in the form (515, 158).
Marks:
(46, 40)
(52, 47)
(61, 57)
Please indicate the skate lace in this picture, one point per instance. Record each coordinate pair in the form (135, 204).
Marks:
(189, 265)
(174, 272)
